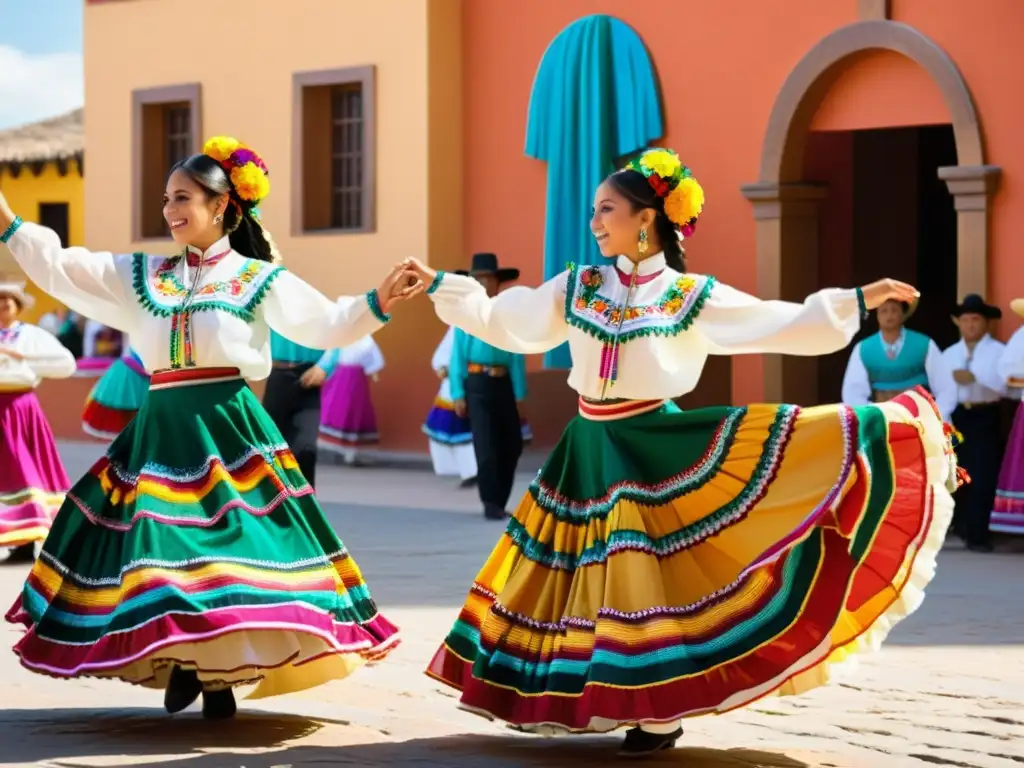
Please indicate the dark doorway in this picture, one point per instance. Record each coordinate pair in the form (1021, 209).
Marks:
(887, 214)
(55, 217)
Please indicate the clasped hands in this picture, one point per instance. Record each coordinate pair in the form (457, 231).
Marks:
(407, 279)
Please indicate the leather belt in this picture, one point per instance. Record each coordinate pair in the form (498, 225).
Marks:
(286, 366)
(494, 371)
(974, 406)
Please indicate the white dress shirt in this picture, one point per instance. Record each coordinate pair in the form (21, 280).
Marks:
(983, 361)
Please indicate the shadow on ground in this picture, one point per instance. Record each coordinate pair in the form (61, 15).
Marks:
(88, 738)
(70, 737)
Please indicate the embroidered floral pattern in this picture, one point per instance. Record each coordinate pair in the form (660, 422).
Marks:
(159, 288)
(596, 314)
(11, 334)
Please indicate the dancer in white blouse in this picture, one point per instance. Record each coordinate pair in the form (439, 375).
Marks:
(348, 420)
(1008, 510)
(32, 477)
(193, 556)
(669, 563)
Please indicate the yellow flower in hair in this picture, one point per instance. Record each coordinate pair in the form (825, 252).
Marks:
(685, 202)
(251, 184)
(221, 147)
(662, 162)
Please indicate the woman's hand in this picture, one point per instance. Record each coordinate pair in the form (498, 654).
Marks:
(399, 285)
(424, 273)
(881, 291)
(6, 214)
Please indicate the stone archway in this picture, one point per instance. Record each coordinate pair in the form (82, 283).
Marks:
(786, 207)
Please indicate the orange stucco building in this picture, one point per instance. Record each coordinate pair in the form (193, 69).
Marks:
(836, 141)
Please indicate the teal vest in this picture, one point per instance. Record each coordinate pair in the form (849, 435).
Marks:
(905, 372)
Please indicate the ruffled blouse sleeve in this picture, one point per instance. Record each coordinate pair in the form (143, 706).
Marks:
(519, 319)
(443, 354)
(1010, 365)
(299, 312)
(96, 284)
(736, 323)
(46, 356)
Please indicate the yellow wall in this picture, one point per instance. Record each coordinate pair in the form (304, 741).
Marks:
(415, 46)
(24, 194)
(247, 93)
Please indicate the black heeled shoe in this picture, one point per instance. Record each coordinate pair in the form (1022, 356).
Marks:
(182, 689)
(22, 555)
(641, 743)
(219, 705)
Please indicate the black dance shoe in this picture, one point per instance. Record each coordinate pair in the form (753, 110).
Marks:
(182, 689)
(494, 512)
(219, 705)
(641, 743)
(22, 555)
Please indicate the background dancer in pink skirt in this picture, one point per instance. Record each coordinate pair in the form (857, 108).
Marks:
(1008, 512)
(32, 478)
(348, 420)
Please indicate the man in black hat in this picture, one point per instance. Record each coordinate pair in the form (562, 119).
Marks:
(974, 362)
(487, 385)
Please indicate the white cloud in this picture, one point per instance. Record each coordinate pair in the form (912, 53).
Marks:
(34, 87)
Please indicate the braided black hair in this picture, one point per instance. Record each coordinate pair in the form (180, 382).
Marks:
(634, 186)
(245, 232)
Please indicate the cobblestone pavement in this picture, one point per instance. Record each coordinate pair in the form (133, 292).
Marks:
(946, 690)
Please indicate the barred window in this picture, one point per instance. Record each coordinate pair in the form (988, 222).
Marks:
(165, 130)
(334, 126)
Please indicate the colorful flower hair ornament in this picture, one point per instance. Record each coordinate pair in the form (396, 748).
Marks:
(245, 168)
(674, 183)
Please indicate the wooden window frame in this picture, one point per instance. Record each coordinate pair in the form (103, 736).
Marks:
(366, 77)
(147, 97)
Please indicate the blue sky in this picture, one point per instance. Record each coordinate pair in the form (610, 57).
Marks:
(40, 59)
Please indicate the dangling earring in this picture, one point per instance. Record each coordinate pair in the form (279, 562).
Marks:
(641, 246)
(218, 219)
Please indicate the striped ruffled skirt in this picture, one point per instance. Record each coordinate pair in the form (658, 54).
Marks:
(669, 563)
(196, 541)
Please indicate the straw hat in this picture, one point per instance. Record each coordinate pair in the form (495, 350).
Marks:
(16, 290)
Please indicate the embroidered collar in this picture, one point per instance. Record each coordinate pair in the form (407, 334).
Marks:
(647, 270)
(11, 332)
(892, 351)
(209, 257)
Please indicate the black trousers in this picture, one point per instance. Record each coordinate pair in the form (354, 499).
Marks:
(497, 436)
(296, 412)
(981, 454)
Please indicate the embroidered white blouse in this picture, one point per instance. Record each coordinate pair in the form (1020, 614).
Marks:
(672, 323)
(237, 301)
(43, 357)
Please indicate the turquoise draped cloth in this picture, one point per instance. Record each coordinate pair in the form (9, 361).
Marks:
(595, 99)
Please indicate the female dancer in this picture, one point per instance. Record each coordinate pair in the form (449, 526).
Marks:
(32, 478)
(116, 397)
(194, 557)
(348, 421)
(671, 563)
(1008, 512)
